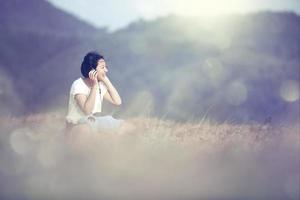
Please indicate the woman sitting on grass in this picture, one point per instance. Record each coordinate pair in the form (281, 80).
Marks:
(86, 97)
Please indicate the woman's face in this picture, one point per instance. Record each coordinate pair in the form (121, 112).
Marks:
(101, 69)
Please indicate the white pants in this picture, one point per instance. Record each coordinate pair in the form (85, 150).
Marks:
(102, 122)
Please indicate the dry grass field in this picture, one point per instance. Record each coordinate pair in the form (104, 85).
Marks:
(158, 159)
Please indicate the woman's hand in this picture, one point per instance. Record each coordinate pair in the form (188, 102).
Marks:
(112, 94)
(93, 76)
(102, 77)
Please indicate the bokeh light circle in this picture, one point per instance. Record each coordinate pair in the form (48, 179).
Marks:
(289, 90)
(236, 93)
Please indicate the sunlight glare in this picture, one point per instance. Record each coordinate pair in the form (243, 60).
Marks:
(207, 8)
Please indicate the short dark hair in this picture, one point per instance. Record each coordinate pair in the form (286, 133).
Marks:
(90, 61)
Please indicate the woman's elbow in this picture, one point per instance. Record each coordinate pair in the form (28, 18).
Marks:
(87, 111)
(118, 103)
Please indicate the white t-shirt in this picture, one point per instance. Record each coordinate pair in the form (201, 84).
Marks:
(79, 87)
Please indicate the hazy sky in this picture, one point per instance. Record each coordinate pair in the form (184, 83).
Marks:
(115, 14)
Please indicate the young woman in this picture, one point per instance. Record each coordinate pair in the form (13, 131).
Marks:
(86, 97)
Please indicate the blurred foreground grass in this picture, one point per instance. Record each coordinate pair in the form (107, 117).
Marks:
(161, 159)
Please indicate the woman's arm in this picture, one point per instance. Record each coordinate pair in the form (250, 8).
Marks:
(86, 103)
(112, 94)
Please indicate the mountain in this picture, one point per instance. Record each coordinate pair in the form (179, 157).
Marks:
(233, 67)
(227, 68)
(41, 17)
(33, 33)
